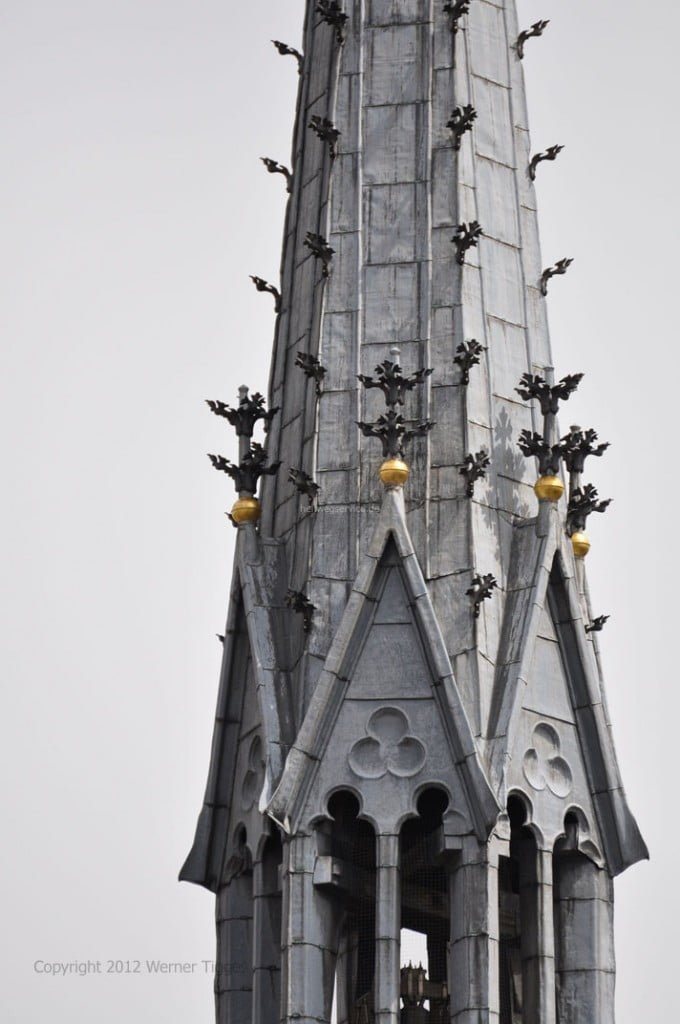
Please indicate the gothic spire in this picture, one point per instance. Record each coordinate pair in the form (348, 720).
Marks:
(413, 642)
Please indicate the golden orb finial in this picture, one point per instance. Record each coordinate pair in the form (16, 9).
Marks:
(245, 510)
(393, 472)
(549, 488)
(580, 543)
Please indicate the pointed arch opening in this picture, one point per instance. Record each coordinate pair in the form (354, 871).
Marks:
(268, 921)
(353, 852)
(510, 919)
(234, 965)
(425, 920)
(527, 948)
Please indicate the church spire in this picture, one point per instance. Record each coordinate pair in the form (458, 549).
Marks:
(408, 684)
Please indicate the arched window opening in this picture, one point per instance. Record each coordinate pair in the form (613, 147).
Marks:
(353, 851)
(234, 965)
(510, 956)
(272, 857)
(268, 911)
(424, 911)
(527, 965)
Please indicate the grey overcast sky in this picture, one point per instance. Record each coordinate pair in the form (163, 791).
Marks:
(133, 209)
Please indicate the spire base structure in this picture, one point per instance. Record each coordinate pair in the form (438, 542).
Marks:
(246, 510)
(580, 543)
(411, 730)
(394, 472)
(549, 488)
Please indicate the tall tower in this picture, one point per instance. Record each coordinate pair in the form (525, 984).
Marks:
(411, 729)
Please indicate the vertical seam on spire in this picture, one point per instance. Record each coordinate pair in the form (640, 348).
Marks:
(360, 8)
(290, 245)
(518, 170)
(470, 511)
(427, 340)
(316, 320)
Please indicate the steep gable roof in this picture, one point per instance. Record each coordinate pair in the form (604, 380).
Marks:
(303, 759)
(542, 579)
(250, 642)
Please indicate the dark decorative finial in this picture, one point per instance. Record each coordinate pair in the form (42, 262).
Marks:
(289, 51)
(265, 286)
(455, 10)
(321, 250)
(331, 12)
(312, 368)
(466, 237)
(391, 381)
(548, 395)
(327, 132)
(582, 503)
(545, 447)
(578, 445)
(537, 29)
(304, 484)
(559, 268)
(301, 604)
(250, 410)
(393, 433)
(551, 153)
(548, 455)
(468, 354)
(252, 466)
(475, 468)
(460, 122)
(598, 624)
(391, 428)
(276, 168)
(481, 590)
(220, 637)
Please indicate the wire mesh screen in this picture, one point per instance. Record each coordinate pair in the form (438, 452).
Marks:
(353, 843)
(510, 961)
(425, 909)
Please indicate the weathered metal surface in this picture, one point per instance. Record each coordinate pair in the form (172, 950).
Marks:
(384, 640)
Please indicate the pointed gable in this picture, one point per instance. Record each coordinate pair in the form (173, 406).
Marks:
(548, 733)
(253, 720)
(206, 857)
(386, 708)
(546, 760)
(622, 841)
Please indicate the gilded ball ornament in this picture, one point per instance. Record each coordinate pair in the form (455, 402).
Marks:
(394, 472)
(245, 510)
(549, 488)
(580, 543)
